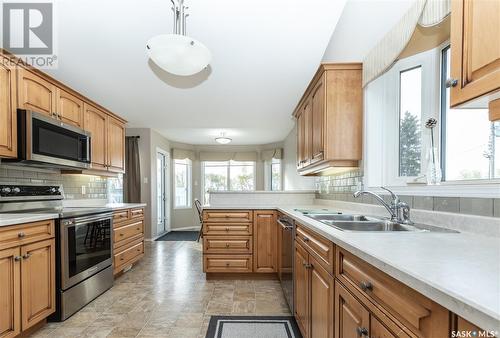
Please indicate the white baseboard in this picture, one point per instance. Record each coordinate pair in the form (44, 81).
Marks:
(193, 228)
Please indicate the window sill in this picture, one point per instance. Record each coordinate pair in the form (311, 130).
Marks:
(183, 208)
(484, 189)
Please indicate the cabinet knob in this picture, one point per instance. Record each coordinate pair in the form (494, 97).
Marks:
(121, 258)
(306, 239)
(227, 245)
(121, 234)
(17, 258)
(361, 331)
(138, 229)
(227, 264)
(227, 229)
(21, 234)
(26, 256)
(451, 83)
(366, 286)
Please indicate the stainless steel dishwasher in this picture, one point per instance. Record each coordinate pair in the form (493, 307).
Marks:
(286, 250)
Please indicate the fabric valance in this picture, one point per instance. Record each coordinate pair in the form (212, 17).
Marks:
(424, 13)
(268, 155)
(181, 154)
(227, 156)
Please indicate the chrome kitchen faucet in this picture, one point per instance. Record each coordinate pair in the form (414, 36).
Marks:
(399, 210)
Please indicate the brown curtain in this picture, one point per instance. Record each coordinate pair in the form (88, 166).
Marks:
(132, 177)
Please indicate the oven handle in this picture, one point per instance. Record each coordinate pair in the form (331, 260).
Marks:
(87, 219)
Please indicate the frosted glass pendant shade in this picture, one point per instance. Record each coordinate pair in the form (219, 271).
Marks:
(179, 54)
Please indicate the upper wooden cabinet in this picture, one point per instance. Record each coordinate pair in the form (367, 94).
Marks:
(475, 49)
(35, 93)
(8, 120)
(116, 145)
(329, 119)
(107, 139)
(69, 108)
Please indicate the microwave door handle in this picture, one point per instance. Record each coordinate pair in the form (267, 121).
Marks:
(89, 145)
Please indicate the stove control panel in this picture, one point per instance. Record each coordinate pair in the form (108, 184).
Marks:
(30, 191)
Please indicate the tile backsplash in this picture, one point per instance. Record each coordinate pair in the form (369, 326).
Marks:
(341, 186)
(75, 186)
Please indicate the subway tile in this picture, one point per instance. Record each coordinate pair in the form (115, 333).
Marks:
(496, 207)
(447, 204)
(423, 202)
(476, 206)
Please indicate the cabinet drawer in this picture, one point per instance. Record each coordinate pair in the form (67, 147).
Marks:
(317, 245)
(227, 228)
(137, 213)
(225, 263)
(227, 215)
(121, 216)
(26, 233)
(416, 312)
(227, 244)
(128, 231)
(128, 254)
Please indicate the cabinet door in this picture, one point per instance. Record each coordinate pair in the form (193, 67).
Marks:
(301, 127)
(308, 131)
(35, 93)
(37, 282)
(8, 120)
(265, 237)
(322, 297)
(95, 122)
(475, 52)
(69, 108)
(378, 330)
(116, 145)
(10, 293)
(301, 289)
(351, 318)
(318, 116)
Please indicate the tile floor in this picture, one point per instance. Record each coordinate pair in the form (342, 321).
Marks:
(166, 295)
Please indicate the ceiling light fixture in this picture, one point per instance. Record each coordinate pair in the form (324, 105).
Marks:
(222, 139)
(178, 53)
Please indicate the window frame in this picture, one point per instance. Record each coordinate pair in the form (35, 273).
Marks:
(189, 183)
(271, 163)
(228, 165)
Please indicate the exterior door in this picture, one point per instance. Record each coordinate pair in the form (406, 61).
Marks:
(8, 119)
(37, 282)
(475, 52)
(322, 297)
(35, 93)
(162, 202)
(301, 289)
(95, 122)
(351, 318)
(116, 145)
(10, 292)
(265, 248)
(69, 108)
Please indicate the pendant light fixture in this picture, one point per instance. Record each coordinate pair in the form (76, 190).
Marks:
(178, 53)
(222, 139)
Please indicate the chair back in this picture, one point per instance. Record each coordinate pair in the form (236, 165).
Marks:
(198, 206)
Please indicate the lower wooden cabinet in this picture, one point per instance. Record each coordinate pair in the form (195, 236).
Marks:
(265, 250)
(128, 238)
(27, 280)
(314, 288)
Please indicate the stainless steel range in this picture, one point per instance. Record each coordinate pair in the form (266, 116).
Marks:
(83, 243)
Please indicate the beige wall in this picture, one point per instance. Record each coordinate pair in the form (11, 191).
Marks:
(291, 179)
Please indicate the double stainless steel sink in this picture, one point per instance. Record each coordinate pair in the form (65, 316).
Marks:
(348, 222)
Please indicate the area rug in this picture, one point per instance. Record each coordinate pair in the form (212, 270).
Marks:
(179, 236)
(252, 327)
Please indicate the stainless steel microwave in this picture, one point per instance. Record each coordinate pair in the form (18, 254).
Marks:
(47, 142)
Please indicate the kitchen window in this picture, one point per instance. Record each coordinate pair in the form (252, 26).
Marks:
(182, 170)
(470, 142)
(228, 176)
(275, 175)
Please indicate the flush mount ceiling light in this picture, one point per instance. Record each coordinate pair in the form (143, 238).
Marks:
(178, 53)
(222, 139)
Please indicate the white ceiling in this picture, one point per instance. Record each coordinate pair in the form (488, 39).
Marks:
(264, 55)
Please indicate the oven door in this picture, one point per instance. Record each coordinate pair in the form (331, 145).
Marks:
(86, 247)
(51, 141)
